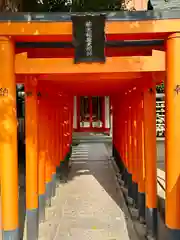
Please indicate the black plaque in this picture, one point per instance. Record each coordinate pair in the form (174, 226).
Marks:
(89, 38)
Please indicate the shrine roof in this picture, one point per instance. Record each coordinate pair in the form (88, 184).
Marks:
(111, 16)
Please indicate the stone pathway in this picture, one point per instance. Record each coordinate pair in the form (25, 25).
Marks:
(90, 205)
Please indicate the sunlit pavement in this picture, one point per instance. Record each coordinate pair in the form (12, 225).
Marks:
(90, 205)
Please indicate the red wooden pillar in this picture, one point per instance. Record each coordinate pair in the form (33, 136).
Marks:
(54, 142)
(129, 144)
(71, 105)
(31, 159)
(117, 129)
(8, 142)
(59, 131)
(172, 140)
(141, 159)
(68, 123)
(125, 103)
(67, 128)
(42, 138)
(113, 128)
(121, 123)
(121, 131)
(51, 168)
(63, 128)
(60, 128)
(150, 159)
(62, 124)
(103, 102)
(47, 147)
(90, 111)
(64, 131)
(78, 112)
(134, 146)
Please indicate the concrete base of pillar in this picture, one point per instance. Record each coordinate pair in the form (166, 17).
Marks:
(48, 193)
(151, 222)
(58, 175)
(129, 185)
(173, 234)
(125, 177)
(63, 170)
(54, 185)
(118, 160)
(42, 204)
(142, 206)
(13, 235)
(32, 224)
(135, 193)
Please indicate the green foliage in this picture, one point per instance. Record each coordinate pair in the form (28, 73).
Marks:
(160, 88)
(98, 5)
(71, 5)
(57, 5)
(77, 5)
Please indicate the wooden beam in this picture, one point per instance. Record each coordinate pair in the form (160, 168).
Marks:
(125, 29)
(69, 52)
(80, 78)
(23, 65)
(93, 77)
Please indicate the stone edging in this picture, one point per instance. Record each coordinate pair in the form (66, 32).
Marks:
(130, 224)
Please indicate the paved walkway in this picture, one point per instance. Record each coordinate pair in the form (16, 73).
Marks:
(90, 205)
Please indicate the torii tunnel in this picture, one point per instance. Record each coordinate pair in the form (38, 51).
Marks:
(136, 51)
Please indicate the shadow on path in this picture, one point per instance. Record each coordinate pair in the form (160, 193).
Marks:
(95, 163)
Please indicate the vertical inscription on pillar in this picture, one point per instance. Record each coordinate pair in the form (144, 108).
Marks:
(151, 91)
(177, 89)
(3, 92)
(29, 94)
(89, 38)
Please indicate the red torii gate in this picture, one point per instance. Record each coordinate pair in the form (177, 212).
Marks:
(130, 76)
